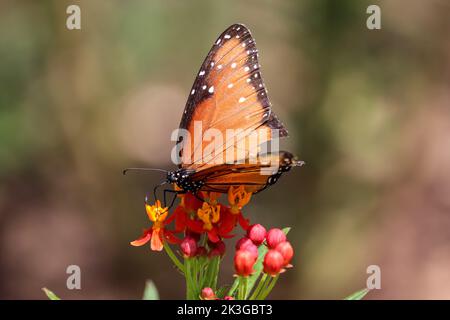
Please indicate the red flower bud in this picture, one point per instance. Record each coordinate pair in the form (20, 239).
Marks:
(286, 251)
(247, 244)
(243, 242)
(273, 262)
(244, 261)
(208, 294)
(201, 252)
(220, 247)
(274, 237)
(228, 298)
(257, 233)
(188, 247)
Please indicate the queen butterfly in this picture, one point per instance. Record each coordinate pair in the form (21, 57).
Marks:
(229, 94)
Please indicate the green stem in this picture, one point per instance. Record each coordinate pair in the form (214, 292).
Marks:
(266, 292)
(192, 291)
(245, 288)
(233, 288)
(212, 272)
(187, 275)
(173, 257)
(216, 272)
(259, 287)
(242, 290)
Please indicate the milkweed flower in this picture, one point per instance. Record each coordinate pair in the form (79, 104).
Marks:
(208, 294)
(156, 234)
(274, 237)
(248, 245)
(244, 261)
(273, 262)
(188, 247)
(243, 242)
(286, 250)
(256, 233)
(209, 214)
(213, 219)
(238, 197)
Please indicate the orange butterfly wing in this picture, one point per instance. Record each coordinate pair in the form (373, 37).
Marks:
(254, 177)
(228, 93)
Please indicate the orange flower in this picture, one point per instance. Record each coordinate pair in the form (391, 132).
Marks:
(238, 197)
(209, 214)
(155, 234)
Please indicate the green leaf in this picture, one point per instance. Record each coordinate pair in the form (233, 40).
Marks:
(358, 295)
(262, 250)
(50, 294)
(150, 291)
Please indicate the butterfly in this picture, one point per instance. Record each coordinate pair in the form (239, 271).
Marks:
(229, 97)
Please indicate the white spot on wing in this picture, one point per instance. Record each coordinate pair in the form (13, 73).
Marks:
(219, 66)
(241, 99)
(193, 91)
(204, 87)
(230, 85)
(201, 73)
(233, 65)
(218, 41)
(246, 68)
(211, 89)
(227, 36)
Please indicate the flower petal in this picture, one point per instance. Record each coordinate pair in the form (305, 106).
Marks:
(142, 240)
(156, 243)
(212, 236)
(171, 238)
(245, 223)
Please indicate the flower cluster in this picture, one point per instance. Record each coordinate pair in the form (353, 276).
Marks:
(198, 226)
(195, 216)
(276, 253)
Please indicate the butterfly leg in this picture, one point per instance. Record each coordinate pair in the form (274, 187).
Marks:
(175, 192)
(154, 192)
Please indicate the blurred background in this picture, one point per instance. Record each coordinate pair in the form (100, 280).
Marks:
(368, 110)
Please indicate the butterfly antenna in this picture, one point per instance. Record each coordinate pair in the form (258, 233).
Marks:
(143, 169)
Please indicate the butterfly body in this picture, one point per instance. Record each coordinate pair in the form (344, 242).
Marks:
(183, 179)
(263, 175)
